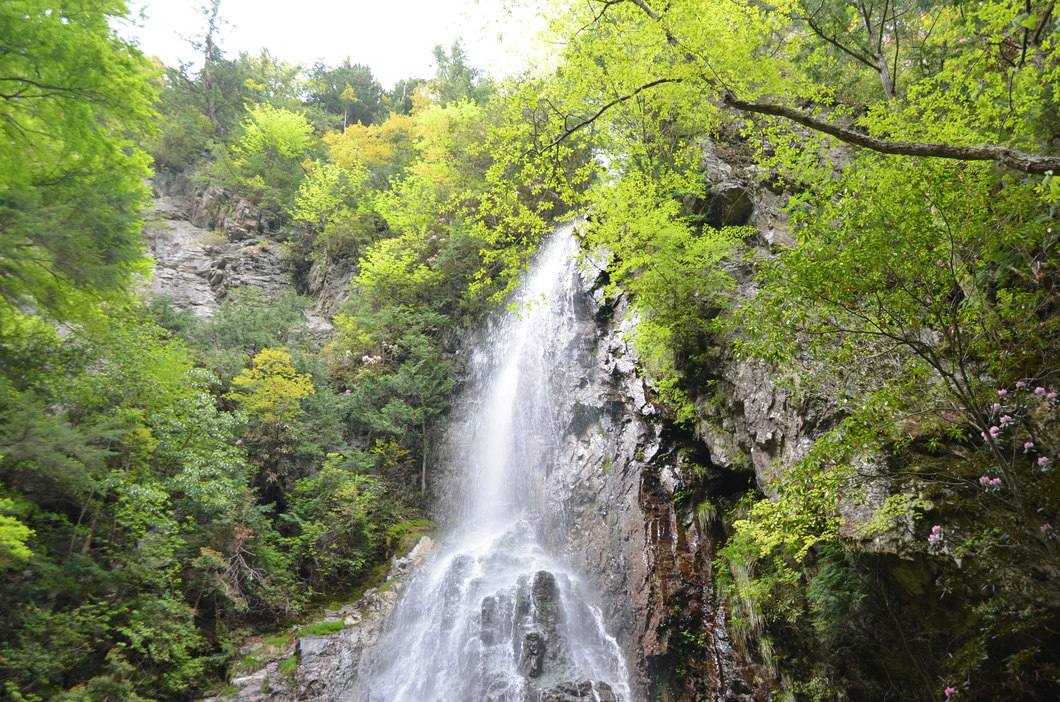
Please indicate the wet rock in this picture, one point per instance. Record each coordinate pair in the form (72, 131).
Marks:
(575, 691)
(633, 536)
(532, 661)
(490, 620)
(725, 204)
(545, 595)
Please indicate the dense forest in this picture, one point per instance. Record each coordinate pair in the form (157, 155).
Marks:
(170, 484)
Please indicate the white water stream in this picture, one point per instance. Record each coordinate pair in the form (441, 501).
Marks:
(494, 616)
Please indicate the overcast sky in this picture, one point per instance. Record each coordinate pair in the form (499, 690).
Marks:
(394, 37)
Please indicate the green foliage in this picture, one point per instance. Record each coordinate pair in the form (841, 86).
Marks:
(671, 270)
(117, 463)
(348, 94)
(75, 99)
(288, 666)
(321, 629)
(340, 517)
(183, 134)
(272, 391)
(144, 517)
(245, 323)
(333, 203)
(917, 289)
(455, 80)
(13, 537)
(267, 161)
(402, 536)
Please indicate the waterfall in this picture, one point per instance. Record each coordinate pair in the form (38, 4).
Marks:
(495, 615)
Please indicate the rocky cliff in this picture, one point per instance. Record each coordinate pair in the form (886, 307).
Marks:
(206, 242)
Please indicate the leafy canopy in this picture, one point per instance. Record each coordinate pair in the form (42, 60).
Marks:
(74, 98)
(272, 390)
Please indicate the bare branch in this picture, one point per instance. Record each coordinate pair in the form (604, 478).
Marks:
(1017, 160)
(617, 101)
(48, 90)
(834, 41)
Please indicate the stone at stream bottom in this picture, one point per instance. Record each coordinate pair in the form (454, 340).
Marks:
(576, 691)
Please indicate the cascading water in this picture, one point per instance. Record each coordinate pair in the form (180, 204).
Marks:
(494, 616)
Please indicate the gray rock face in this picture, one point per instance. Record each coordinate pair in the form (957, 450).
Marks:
(575, 691)
(206, 242)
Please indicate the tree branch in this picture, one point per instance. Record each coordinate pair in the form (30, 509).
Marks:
(48, 90)
(617, 101)
(1013, 158)
(1017, 160)
(834, 41)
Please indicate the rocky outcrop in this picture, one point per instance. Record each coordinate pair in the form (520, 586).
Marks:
(328, 282)
(206, 242)
(318, 667)
(631, 527)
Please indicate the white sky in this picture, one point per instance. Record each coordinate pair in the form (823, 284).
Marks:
(395, 38)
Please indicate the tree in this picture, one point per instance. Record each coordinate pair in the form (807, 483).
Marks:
(213, 92)
(386, 149)
(916, 301)
(333, 204)
(278, 83)
(117, 465)
(272, 391)
(348, 92)
(455, 80)
(199, 106)
(268, 158)
(13, 537)
(740, 57)
(399, 99)
(74, 98)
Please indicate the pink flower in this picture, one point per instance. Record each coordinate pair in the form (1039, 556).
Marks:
(1039, 390)
(1005, 419)
(983, 434)
(239, 442)
(348, 391)
(1050, 396)
(1028, 445)
(995, 482)
(994, 431)
(1021, 384)
(949, 691)
(1043, 461)
(983, 480)
(1002, 392)
(1046, 528)
(940, 263)
(996, 406)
